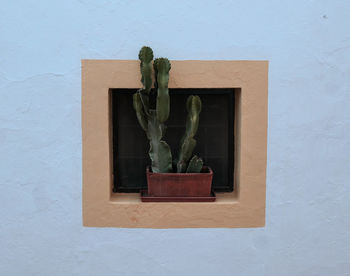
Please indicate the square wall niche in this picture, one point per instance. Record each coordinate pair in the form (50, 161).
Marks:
(215, 136)
(232, 139)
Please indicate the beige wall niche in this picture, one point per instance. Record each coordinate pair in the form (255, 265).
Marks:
(245, 207)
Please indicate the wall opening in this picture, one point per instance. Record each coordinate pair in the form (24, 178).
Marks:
(245, 82)
(215, 136)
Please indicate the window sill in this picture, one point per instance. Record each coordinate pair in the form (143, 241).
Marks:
(134, 198)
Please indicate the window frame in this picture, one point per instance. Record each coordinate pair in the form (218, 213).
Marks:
(228, 105)
(245, 207)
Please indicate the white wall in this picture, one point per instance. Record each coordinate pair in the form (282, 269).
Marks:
(308, 176)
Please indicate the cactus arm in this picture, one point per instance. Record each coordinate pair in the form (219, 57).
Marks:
(195, 165)
(159, 152)
(194, 107)
(188, 143)
(141, 117)
(146, 57)
(162, 67)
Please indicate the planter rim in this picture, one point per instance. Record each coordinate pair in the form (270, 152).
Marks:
(210, 172)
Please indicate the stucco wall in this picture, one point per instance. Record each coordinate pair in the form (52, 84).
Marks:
(308, 174)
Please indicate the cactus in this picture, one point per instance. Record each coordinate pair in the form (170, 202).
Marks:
(152, 120)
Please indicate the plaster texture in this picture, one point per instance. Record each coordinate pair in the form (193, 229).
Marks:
(307, 44)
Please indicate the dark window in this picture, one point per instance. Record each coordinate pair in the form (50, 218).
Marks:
(215, 137)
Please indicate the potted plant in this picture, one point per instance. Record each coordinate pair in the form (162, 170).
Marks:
(184, 178)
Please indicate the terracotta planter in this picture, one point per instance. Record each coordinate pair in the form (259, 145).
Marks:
(180, 184)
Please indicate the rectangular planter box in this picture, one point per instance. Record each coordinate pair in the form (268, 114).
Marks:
(180, 184)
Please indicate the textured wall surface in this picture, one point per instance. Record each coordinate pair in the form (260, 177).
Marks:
(308, 174)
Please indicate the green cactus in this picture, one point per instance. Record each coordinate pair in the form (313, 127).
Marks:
(188, 143)
(152, 120)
